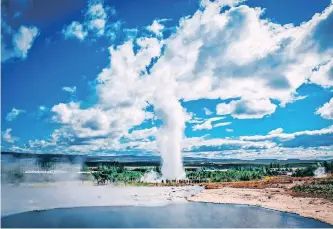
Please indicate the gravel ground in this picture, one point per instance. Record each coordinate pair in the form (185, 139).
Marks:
(271, 198)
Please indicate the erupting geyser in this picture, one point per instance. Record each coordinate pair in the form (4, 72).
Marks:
(170, 134)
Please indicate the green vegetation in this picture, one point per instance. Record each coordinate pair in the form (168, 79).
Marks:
(237, 174)
(104, 174)
(115, 173)
(306, 172)
(320, 188)
(328, 166)
(309, 170)
(132, 172)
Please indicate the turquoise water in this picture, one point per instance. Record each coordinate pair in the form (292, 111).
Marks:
(174, 215)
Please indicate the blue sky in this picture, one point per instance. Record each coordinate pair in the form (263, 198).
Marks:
(216, 79)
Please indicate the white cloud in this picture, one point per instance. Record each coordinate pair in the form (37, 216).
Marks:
(264, 146)
(222, 124)
(208, 124)
(326, 111)
(276, 131)
(323, 75)
(70, 90)
(118, 109)
(42, 112)
(156, 28)
(207, 111)
(42, 108)
(285, 136)
(8, 137)
(192, 119)
(246, 109)
(131, 34)
(22, 41)
(13, 114)
(229, 130)
(211, 55)
(122, 84)
(76, 30)
(207, 58)
(112, 29)
(142, 134)
(95, 23)
(122, 94)
(324, 153)
(83, 123)
(220, 144)
(96, 17)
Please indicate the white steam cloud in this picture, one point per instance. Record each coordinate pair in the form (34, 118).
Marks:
(170, 135)
(320, 172)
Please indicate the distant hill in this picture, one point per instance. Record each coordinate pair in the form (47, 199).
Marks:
(142, 160)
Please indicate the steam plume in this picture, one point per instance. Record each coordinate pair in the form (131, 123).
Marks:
(170, 135)
(320, 172)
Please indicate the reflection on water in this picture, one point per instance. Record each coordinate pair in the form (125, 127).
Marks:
(174, 215)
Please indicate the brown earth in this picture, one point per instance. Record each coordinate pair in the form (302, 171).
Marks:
(272, 193)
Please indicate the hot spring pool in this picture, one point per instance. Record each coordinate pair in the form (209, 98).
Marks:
(173, 215)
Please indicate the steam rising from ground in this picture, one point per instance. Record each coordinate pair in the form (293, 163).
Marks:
(67, 190)
(151, 177)
(30, 170)
(320, 172)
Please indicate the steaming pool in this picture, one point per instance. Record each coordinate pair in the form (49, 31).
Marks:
(173, 215)
(75, 204)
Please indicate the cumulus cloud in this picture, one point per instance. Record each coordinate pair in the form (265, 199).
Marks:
(83, 123)
(208, 58)
(323, 74)
(156, 28)
(210, 123)
(246, 109)
(22, 41)
(12, 115)
(218, 144)
(8, 137)
(118, 87)
(76, 30)
(142, 134)
(326, 111)
(96, 17)
(275, 145)
(95, 22)
(232, 54)
(279, 135)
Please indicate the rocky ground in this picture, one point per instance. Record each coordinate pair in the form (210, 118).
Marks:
(272, 198)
